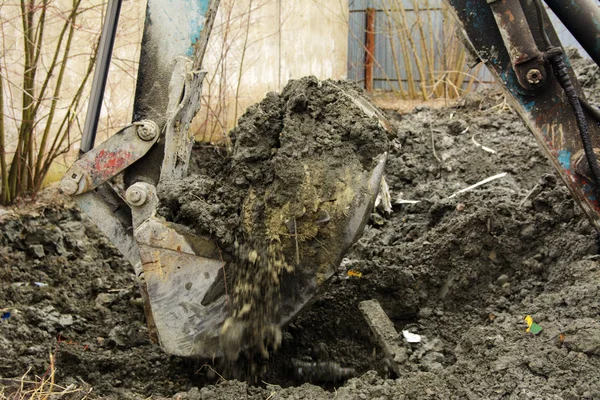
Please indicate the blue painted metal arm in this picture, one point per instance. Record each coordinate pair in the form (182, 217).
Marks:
(171, 30)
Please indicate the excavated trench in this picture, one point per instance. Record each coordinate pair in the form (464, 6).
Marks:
(463, 272)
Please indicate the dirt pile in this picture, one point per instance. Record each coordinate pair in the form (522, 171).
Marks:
(462, 272)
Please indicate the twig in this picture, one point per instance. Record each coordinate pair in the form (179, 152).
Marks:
(484, 148)
(433, 146)
(503, 105)
(483, 182)
(384, 197)
(212, 369)
(529, 195)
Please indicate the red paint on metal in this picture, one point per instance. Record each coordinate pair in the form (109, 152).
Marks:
(108, 163)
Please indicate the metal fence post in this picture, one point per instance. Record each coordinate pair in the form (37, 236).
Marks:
(370, 49)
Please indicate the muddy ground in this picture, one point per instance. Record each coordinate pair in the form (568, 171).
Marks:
(463, 272)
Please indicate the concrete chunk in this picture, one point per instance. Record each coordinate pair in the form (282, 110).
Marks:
(384, 331)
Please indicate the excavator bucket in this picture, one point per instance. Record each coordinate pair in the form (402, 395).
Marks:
(181, 269)
(177, 269)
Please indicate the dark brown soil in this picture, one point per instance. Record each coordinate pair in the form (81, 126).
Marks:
(463, 272)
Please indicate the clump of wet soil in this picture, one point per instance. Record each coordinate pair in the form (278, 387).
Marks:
(288, 151)
(588, 74)
(462, 272)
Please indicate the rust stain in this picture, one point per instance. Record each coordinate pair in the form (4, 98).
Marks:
(109, 161)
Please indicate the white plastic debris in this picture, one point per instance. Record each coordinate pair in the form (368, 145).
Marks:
(384, 198)
(404, 201)
(401, 200)
(484, 148)
(483, 182)
(411, 337)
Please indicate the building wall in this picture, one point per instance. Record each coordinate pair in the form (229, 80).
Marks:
(260, 45)
(390, 68)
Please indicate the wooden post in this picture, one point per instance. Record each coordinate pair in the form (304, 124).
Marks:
(369, 49)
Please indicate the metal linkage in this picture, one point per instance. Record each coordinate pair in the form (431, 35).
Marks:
(557, 59)
(548, 111)
(526, 58)
(121, 150)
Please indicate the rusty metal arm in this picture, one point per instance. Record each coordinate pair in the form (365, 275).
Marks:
(117, 153)
(525, 56)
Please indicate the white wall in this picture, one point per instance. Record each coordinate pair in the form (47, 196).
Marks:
(261, 44)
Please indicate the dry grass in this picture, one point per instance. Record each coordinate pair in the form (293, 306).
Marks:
(41, 388)
(429, 61)
(390, 101)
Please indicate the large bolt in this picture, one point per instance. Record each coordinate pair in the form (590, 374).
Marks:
(70, 183)
(135, 195)
(147, 130)
(69, 186)
(534, 76)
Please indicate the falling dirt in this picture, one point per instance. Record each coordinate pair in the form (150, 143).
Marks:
(463, 272)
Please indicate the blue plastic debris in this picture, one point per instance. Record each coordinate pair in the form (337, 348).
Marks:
(5, 316)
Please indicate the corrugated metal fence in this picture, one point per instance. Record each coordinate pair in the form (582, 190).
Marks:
(393, 60)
